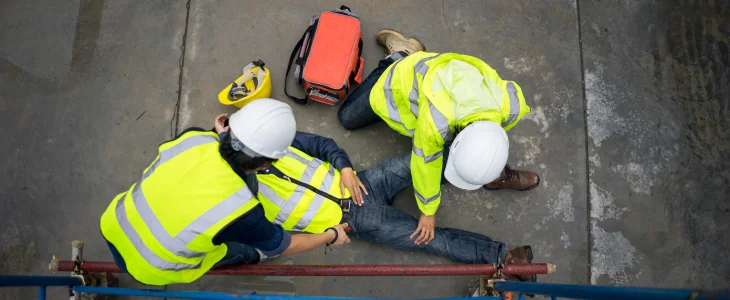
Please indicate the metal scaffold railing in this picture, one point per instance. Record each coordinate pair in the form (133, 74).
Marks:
(93, 278)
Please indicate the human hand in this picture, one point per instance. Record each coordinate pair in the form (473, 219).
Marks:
(342, 237)
(349, 180)
(220, 121)
(425, 230)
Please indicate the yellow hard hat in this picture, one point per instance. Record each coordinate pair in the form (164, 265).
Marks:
(255, 83)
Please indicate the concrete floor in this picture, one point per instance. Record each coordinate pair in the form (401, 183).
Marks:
(629, 129)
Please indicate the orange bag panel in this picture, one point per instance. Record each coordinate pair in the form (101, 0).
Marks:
(334, 49)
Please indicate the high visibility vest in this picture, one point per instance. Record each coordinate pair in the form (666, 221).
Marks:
(430, 97)
(295, 207)
(164, 225)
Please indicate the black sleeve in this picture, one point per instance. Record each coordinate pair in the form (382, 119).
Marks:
(253, 229)
(323, 148)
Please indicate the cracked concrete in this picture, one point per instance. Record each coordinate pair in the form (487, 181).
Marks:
(89, 88)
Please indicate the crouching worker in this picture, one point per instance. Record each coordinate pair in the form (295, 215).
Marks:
(190, 211)
(313, 188)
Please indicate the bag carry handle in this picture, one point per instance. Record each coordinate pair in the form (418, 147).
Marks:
(310, 30)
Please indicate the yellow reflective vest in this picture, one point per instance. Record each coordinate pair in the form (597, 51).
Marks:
(294, 206)
(164, 225)
(430, 97)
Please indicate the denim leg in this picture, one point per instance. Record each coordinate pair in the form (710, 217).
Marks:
(355, 111)
(385, 225)
(388, 178)
(238, 254)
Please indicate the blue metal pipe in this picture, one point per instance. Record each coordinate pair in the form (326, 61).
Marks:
(605, 292)
(22, 280)
(189, 294)
(208, 295)
(42, 293)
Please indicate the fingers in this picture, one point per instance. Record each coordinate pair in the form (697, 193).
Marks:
(431, 236)
(342, 237)
(342, 187)
(415, 232)
(362, 187)
(356, 196)
(422, 237)
(421, 233)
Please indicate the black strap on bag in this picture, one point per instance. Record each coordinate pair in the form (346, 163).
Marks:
(353, 74)
(300, 60)
(277, 173)
(307, 186)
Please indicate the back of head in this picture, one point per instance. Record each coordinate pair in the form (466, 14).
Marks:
(266, 127)
(477, 155)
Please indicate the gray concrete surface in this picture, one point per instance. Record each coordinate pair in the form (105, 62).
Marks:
(89, 88)
(658, 95)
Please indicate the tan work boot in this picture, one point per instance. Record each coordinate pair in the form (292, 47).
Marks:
(514, 179)
(394, 41)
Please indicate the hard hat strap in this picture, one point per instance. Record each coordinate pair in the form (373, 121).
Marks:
(239, 146)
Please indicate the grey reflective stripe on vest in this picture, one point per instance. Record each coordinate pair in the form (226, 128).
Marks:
(441, 122)
(177, 244)
(288, 206)
(419, 68)
(393, 113)
(173, 245)
(426, 158)
(181, 147)
(514, 104)
(214, 215)
(141, 247)
(158, 231)
(428, 200)
(317, 202)
(296, 156)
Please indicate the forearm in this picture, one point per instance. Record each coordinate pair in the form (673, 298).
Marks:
(322, 148)
(305, 242)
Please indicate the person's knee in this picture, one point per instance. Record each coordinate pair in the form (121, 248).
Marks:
(346, 120)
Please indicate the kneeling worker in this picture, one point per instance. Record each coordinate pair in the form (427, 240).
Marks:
(309, 190)
(191, 212)
(442, 101)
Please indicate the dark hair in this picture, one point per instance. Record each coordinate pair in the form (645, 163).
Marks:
(240, 159)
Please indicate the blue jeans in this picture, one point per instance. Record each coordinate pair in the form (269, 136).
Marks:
(356, 112)
(237, 254)
(378, 222)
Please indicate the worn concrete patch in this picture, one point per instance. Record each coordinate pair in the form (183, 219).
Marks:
(611, 256)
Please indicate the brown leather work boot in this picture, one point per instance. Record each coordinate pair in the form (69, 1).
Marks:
(514, 179)
(521, 255)
(394, 41)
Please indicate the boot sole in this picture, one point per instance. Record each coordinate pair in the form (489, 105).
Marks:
(522, 190)
(399, 35)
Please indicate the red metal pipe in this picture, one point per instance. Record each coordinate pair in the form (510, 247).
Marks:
(337, 270)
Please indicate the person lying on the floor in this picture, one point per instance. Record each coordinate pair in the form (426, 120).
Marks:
(313, 188)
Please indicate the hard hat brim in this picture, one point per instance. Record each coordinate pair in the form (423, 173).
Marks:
(455, 179)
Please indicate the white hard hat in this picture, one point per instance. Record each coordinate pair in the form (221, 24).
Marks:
(477, 156)
(266, 127)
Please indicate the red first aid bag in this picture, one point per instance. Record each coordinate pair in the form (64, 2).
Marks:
(328, 57)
